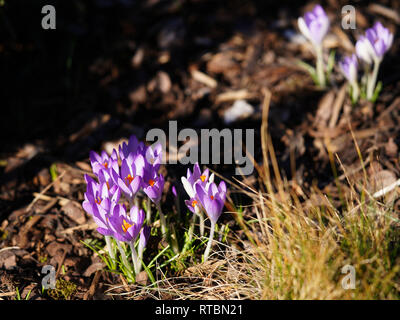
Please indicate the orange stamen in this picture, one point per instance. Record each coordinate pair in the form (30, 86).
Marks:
(194, 202)
(98, 200)
(212, 197)
(125, 225)
(151, 182)
(203, 178)
(129, 179)
(105, 164)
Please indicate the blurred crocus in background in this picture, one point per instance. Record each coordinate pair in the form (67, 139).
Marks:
(314, 26)
(370, 49)
(348, 66)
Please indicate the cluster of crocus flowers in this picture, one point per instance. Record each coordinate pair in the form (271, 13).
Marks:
(205, 197)
(314, 26)
(120, 177)
(370, 49)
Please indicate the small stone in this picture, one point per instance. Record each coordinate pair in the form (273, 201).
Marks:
(238, 111)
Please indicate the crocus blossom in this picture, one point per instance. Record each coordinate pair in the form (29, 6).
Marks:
(103, 161)
(133, 147)
(96, 193)
(189, 182)
(212, 200)
(126, 227)
(314, 25)
(154, 155)
(349, 66)
(374, 44)
(130, 177)
(144, 237)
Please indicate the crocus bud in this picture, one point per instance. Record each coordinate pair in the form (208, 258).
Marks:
(349, 66)
(144, 236)
(314, 26)
(174, 191)
(376, 42)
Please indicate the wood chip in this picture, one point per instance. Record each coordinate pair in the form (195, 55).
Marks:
(203, 78)
(389, 13)
(242, 94)
(337, 106)
(74, 211)
(92, 290)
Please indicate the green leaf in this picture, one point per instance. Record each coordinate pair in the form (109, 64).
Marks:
(331, 63)
(377, 91)
(53, 172)
(310, 69)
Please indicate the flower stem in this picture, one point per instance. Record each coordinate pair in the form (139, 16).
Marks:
(174, 240)
(162, 219)
(110, 250)
(136, 201)
(124, 259)
(320, 67)
(148, 212)
(201, 216)
(355, 92)
(137, 264)
(207, 252)
(372, 80)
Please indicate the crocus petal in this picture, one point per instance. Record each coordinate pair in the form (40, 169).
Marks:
(188, 187)
(88, 207)
(303, 28)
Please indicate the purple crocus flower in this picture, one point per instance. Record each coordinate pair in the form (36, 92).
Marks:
(314, 26)
(104, 175)
(212, 200)
(130, 177)
(144, 236)
(191, 179)
(125, 228)
(349, 66)
(103, 161)
(376, 42)
(154, 187)
(133, 147)
(97, 193)
(189, 185)
(99, 201)
(154, 155)
(152, 182)
(173, 189)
